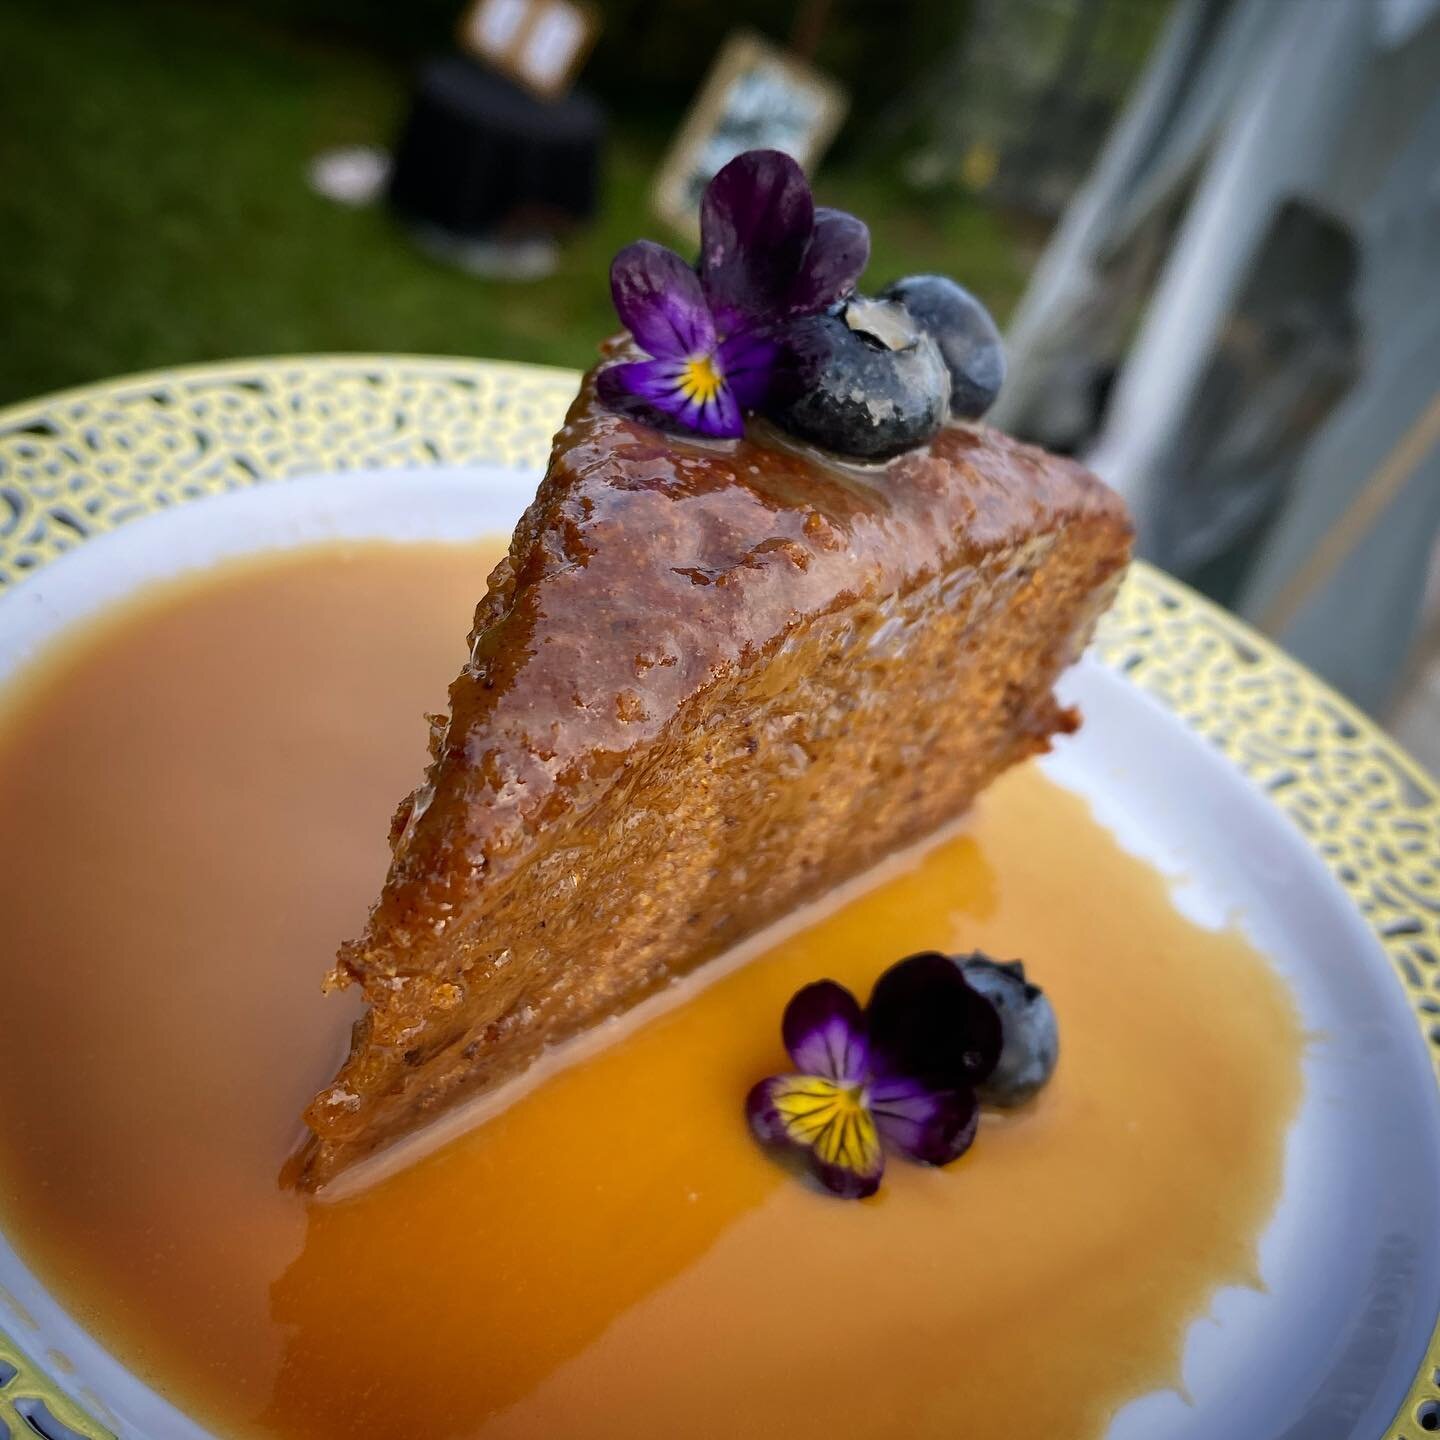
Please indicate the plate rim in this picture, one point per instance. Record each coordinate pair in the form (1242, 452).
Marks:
(84, 461)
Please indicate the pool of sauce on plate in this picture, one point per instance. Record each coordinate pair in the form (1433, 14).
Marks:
(194, 797)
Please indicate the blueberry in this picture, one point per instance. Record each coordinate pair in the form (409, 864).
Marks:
(1030, 1042)
(966, 335)
(863, 380)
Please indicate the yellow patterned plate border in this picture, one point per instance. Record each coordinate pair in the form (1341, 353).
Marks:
(85, 461)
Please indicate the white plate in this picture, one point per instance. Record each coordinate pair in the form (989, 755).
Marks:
(1351, 1261)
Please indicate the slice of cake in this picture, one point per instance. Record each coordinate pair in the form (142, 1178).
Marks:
(711, 680)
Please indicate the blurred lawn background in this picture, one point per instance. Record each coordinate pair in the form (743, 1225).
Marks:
(154, 208)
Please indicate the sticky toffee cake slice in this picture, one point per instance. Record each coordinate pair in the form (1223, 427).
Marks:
(728, 663)
(704, 687)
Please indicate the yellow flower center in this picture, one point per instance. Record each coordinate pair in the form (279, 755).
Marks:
(834, 1119)
(701, 379)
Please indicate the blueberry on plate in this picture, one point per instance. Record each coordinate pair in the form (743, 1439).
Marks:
(863, 380)
(969, 342)
(1030, 1043)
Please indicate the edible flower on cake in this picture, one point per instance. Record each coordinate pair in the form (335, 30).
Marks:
(767, 255)
(769, 322)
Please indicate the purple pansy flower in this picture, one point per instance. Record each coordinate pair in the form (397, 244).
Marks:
(901, 1073)
(767, 255)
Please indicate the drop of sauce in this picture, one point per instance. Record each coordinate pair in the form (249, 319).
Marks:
(194, 799)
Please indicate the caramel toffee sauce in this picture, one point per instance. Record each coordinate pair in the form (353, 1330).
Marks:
(194, 799)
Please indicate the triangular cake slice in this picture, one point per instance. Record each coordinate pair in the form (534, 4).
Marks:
(709, 682)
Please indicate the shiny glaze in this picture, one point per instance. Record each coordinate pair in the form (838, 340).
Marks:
(685, 557)
(610, 1255)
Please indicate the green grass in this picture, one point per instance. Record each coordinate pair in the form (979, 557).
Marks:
(154, 210)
